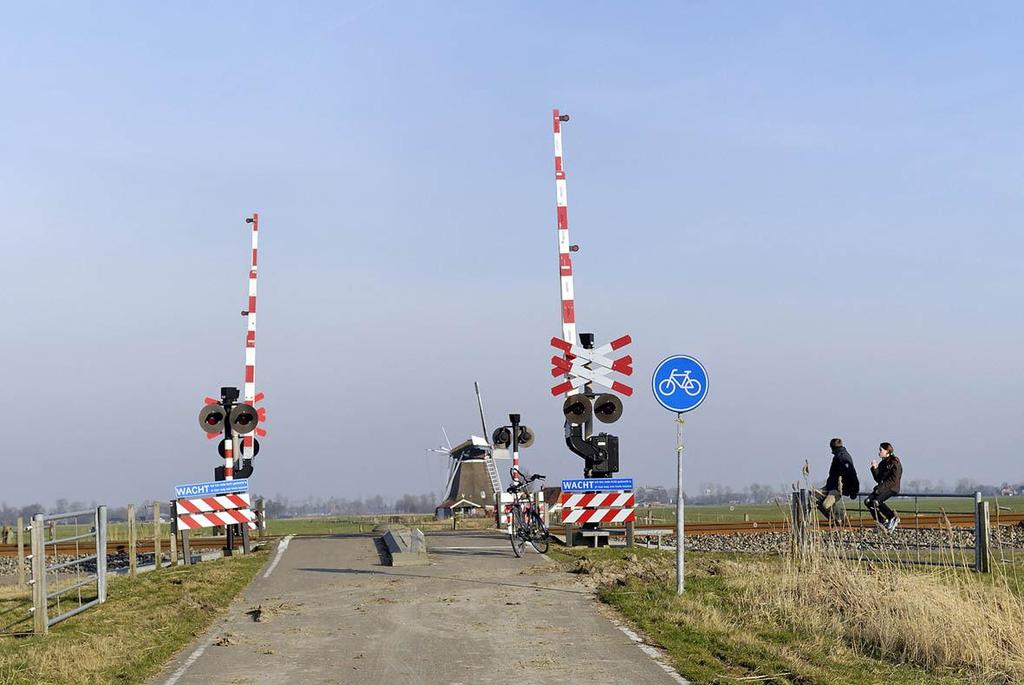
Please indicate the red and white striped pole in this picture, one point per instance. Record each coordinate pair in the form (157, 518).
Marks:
(249, 391)
(564, 248)
(229, 455)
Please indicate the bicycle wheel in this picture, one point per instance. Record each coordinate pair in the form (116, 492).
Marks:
(538, 533)
(667, 387)
(518, 543)
(693, 389)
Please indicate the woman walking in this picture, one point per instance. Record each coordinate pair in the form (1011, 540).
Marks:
(887, 474)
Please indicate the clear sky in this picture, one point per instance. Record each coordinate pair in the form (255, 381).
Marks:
(822, 202)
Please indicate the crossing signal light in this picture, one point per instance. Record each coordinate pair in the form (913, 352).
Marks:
(243, 419)
(577, 408)
(526, 436)
(211, 419)
(502, 437)
(607, 408)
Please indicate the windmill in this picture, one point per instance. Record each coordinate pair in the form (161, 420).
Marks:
(473, 478)
(452, 463)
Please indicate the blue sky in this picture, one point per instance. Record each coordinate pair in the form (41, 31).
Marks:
(821, 202)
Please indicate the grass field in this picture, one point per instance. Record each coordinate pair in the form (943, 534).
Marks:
(745, 619)
(144, 622)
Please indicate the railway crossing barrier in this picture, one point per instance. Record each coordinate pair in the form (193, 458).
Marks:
(803, 522)
(214, 510)
(84, 589)
(588, 503)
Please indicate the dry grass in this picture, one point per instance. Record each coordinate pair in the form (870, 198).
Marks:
(821, 617)
(941, 620)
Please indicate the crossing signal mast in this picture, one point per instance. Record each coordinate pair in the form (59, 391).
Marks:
(581, 364)
(239, 443)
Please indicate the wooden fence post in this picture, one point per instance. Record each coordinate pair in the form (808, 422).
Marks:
(157, 530)
(132, 564)
(174, 534)
(186, 552)
(21, 551)
(982, 540)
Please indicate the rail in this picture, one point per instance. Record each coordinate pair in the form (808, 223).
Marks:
(803, 519)
(47, 607)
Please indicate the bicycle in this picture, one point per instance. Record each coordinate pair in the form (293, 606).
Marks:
(527, 524)
(691, 386)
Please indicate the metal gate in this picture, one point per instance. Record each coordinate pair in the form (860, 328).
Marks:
(77, 583)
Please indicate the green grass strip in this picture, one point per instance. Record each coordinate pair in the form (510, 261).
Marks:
(144, 622)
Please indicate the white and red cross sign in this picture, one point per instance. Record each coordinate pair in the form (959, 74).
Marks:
(581, 366)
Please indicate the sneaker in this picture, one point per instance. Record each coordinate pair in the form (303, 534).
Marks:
(893, 522)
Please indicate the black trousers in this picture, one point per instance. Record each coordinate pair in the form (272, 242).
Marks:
(875, 503)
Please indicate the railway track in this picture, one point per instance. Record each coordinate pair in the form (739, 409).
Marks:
(908, 521)
(113, 547)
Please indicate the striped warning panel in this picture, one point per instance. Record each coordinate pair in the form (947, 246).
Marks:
(222, 510)
(595, 500)
(217, 518)
(598, 515)
(616, 506)
(201, 505)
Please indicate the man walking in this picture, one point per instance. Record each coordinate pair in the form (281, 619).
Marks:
(842, 480)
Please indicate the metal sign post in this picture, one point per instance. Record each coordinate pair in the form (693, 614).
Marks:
(680, 531)
(680, 384)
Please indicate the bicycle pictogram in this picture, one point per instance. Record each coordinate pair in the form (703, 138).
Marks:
(680, 380)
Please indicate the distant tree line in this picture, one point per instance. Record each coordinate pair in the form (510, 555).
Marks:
(282, 507)
(712, 493)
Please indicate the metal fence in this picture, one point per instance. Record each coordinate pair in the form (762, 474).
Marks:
(79, 582)
(922, 523)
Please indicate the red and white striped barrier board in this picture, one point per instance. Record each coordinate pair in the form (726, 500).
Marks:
(598, 507)
(221, 510)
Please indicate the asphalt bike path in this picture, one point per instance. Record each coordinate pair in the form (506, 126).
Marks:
(329, 612)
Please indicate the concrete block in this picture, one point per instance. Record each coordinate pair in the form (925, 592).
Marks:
(406, 547)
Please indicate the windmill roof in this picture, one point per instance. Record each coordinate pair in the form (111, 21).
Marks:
(451, 504)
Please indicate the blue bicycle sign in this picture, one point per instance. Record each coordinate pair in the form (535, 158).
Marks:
(680, 383)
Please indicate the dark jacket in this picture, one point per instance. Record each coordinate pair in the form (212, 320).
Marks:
(888, 473)
(842, 467)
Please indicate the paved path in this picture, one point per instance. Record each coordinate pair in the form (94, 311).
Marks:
(333, 614)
